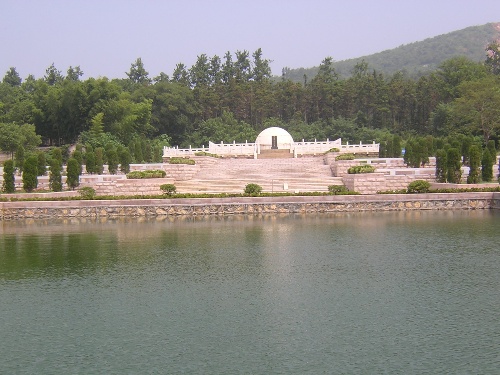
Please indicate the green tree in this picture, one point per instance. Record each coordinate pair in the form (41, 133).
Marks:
(13, 135)
(493, 57)
(487, 166)
(477, 106)
(74, 74)
(55, 175)
(30, 172)
(8, 185)
(474, 164)
(137, 72)
(77, 154)
(42, 163)
(73, 173)
(53, 76)
(112, 158)
(99, 160)
(454, 166)
(12, 77)
(441, 165)
(125, 160)
(90, 161)
(19, 158)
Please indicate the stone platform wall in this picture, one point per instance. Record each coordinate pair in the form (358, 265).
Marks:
(246, 206)
(372, 183)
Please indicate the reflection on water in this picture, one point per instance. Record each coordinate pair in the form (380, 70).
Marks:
(406, 292)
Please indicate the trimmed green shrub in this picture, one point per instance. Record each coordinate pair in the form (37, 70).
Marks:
(168, 189)
(418, 186)
(55, 179)
(157, 173)
(19, 158)
(453, 165)
(30, 173)
(87, 193)
(203, 153)
(73, 173)
(441, 163)
(474, 159)
(487, 166)
(345, 157)
(253, 189)
(99, 160)
(334, 149)
(41, 164)
(338, 189)
(181, 161)
(90, 161)
(112, 157)
(9, 180)
(77, 154)
(125, 160)
(361, 169)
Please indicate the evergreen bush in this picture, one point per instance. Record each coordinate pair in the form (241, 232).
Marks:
(344, 157)
(19, 158)
(418, 186)
(253, 189)
(112, 157)
(99, 160)
(30, 173)
(77, 154)
(158, 173)
(361, 169)
(176, 160)
(441, 165)
(87, 193)
(73, 173)
(55, 178)
(487, 166)
(41, 164)
(453, 165)
(9, 182)
(168, 189)
(90, 161)
(125, 159)
(474, 159)
(337, 189)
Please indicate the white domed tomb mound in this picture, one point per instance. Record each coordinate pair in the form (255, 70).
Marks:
(274, 138)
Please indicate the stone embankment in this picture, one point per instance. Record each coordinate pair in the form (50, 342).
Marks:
(245, 205)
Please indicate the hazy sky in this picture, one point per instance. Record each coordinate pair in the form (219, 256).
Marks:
(104, 37)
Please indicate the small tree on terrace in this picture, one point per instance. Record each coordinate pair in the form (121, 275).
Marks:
(474, 154)
(99, 160)
(487, 166)
(30, 172)
(112, 160)
(73, 173)
(41, 163)
(19, 158)
(125, 160)
(55, 178)
(9, 185)
(441, 165)
(454, 165)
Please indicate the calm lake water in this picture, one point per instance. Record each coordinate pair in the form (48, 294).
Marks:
(370, 293)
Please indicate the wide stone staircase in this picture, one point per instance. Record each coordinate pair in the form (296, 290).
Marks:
(274, 174)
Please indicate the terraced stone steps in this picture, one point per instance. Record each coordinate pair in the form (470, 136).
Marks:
(307, 174)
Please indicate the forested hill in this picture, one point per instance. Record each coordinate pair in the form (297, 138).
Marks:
(416, 58)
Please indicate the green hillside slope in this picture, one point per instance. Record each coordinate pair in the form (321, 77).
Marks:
(416, 58)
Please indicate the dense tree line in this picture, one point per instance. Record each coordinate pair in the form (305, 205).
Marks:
(235, 97)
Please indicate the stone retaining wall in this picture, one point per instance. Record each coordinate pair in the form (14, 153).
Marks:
(371, 183)
(246, 205)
